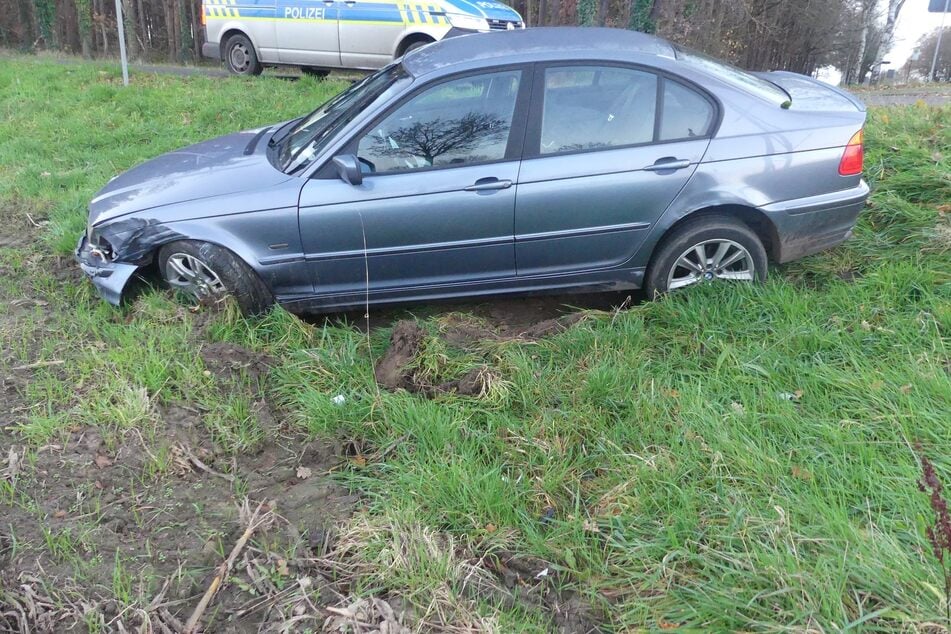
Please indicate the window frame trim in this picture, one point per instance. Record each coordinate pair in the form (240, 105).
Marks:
(514, 144)
(531, 148)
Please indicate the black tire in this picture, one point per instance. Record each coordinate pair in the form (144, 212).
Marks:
(416, 45)
(240, 56)
(706, 232)
(237, 278)
(315, 72)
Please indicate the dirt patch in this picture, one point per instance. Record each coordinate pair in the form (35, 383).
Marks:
(87, 518)
(225, 360)
(462, 331)
(500, 314)
(396, 370)
(534, 582)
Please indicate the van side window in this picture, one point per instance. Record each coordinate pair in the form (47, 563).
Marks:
(453, 123)
(592, 107)
(686, 113)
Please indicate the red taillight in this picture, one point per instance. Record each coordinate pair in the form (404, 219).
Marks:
(854, 156)
(204, 18)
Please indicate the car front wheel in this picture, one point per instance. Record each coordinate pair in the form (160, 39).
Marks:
(709, 249)
(207, 271)
(240, 57)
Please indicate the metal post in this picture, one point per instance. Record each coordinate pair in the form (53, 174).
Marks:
(125, 62)
(937, 46)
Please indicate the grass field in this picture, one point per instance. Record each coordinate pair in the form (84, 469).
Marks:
(724, 459)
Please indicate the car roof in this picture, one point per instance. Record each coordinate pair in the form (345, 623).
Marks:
(534, 44)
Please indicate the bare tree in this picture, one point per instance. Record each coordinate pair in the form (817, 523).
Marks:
(436, 137)
(888, 34)
(926, 46)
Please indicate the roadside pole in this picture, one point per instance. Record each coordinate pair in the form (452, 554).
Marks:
(937, 46)
(125, 62)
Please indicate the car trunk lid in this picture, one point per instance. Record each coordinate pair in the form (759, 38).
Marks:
(807, 93)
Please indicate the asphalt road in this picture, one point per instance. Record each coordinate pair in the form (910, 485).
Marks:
(931, 97)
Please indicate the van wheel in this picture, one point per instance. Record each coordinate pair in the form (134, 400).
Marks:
(240, 57)
(711, 248)
(415, 45)
(315, 72)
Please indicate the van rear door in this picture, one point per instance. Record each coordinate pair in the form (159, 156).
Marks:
(307, 32)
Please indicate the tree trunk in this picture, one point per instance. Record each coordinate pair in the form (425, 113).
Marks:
(28, 20)
(863, 42)
(197, 34)
(129, 22)
(888, 35)
(84, 24)
(169, 11)
(603, 6)
(143, 31)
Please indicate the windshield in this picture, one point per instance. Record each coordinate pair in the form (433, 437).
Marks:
(308, 137)
(733, 75)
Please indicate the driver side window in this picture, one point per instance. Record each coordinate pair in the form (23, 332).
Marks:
(458, 122)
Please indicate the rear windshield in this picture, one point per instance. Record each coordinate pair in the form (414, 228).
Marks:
(733, 75)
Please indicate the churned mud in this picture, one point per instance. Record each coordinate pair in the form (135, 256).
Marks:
(396, 369)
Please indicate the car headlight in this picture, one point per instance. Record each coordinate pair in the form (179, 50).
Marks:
(97, 244)
(467, 22)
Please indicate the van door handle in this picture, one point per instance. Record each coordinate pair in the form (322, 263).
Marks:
(328, 3)
(488, 184)
(668, 163)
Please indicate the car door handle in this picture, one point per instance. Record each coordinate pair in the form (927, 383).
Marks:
(328, 3)
(488, 184)
(668, 164)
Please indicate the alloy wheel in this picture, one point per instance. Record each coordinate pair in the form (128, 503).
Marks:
(710, 261)
(189, 274)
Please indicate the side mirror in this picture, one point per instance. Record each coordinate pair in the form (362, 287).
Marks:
(348, 168)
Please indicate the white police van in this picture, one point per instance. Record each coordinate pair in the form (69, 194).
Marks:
(321, 35)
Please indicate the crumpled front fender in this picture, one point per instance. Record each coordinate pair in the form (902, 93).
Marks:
(109, 278)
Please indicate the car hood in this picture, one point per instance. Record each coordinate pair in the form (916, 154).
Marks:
(485, 9)
(227, 165)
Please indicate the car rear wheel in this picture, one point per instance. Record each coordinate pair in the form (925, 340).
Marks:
(712, 248)
(240, 56)
(207, 271)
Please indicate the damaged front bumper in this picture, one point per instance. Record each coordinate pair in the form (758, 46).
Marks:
(109, 278)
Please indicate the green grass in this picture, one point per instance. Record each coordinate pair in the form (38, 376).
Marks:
(722, 459)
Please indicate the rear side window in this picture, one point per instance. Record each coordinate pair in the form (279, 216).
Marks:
(594, 107)
(686, 113)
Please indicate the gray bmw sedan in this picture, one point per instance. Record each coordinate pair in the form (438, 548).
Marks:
(506, 162)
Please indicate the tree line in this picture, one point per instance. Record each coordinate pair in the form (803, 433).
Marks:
(795, 35)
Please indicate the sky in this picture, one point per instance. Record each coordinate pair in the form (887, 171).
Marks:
(913, 22)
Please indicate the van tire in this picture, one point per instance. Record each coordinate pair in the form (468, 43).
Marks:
(315, 71)
(412, 46)
(240, 57)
